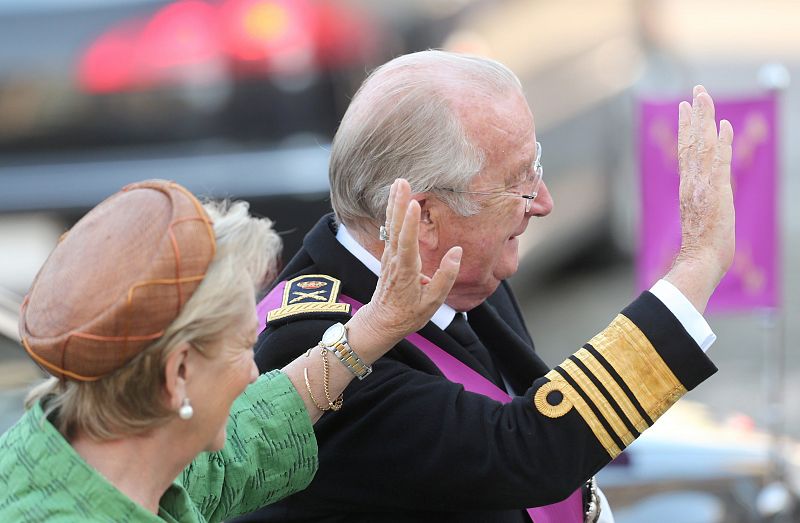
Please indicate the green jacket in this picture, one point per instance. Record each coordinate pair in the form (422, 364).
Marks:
(270, 453)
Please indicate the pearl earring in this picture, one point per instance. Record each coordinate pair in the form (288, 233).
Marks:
(186, 411)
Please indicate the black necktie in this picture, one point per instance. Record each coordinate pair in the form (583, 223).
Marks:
(460, 330)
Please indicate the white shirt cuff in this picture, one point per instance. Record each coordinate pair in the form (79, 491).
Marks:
(684, 311)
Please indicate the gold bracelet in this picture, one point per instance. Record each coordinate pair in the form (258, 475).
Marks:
(332, 404)
(311, 394)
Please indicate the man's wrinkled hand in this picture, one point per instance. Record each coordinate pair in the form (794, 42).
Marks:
(706, 200)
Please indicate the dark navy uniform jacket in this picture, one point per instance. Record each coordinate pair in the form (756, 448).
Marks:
(409, 445)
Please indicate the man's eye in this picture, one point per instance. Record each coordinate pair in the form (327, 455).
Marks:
(517, 186)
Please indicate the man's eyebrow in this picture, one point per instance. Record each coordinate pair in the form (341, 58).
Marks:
(519, 173)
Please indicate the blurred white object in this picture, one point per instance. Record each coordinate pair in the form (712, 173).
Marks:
(9, 314)
(774, 76)
(774, 499)
(25, 241)
(686, 507)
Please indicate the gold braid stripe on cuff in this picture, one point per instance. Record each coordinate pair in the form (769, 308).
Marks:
(574, 399)
(641, 369)
(600, 402)
(634, 358)
(613, 389)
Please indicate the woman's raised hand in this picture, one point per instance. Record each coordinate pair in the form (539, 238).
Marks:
(405, 299)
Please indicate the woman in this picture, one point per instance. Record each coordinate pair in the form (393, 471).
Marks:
(145, 316)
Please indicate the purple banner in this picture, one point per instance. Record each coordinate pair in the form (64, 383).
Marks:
(752, 281)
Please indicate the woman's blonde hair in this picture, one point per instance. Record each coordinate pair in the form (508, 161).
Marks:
(131, 400)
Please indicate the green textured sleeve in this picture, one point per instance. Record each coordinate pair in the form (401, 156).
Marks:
(270, 452)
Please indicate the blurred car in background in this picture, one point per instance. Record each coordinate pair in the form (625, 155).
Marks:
(690, 468)
(233, 98)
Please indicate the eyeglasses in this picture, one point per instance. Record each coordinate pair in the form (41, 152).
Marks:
(538, 172)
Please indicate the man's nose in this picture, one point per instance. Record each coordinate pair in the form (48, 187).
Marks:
(543, 204)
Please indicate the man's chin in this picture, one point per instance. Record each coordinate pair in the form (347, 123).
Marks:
(467, 300)
(508, 269)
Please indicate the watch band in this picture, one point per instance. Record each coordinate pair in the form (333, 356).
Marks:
(350, 359)
(335, 340)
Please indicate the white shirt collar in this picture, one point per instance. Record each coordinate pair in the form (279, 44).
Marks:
(442, 318)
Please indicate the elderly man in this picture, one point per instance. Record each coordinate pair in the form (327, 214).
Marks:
(431, 436)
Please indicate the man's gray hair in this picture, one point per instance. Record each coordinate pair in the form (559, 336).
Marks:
(402, 123)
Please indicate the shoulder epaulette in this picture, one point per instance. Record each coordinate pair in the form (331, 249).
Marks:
(310, 294)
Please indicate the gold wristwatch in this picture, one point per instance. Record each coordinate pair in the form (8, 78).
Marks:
(335, 340)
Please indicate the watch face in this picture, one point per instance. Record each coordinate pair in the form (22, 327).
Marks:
(334, 334)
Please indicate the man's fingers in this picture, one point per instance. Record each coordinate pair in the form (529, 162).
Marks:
(684, 134)
(445, 276)
(704, 128)
(724, 152)
(707, 128)
(725, 132)
(707, 114)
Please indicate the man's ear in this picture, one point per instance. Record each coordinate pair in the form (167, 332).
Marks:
(428, 221)
(176, 370)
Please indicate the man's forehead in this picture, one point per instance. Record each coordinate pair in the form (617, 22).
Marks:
(501, 113)
(506, 163)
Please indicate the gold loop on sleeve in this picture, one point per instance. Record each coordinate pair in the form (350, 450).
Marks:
(545, 407)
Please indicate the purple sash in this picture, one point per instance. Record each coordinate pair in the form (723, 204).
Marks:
(569, 510)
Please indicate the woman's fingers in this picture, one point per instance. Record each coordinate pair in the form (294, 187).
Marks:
(408, 246)
(399, 194)
(445, 276)
(402, 195)
(402, 240)
(390, 204)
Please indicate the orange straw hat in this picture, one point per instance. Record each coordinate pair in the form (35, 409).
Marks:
(117, 280)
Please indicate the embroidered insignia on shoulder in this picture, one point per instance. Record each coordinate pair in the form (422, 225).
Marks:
(310, 293)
